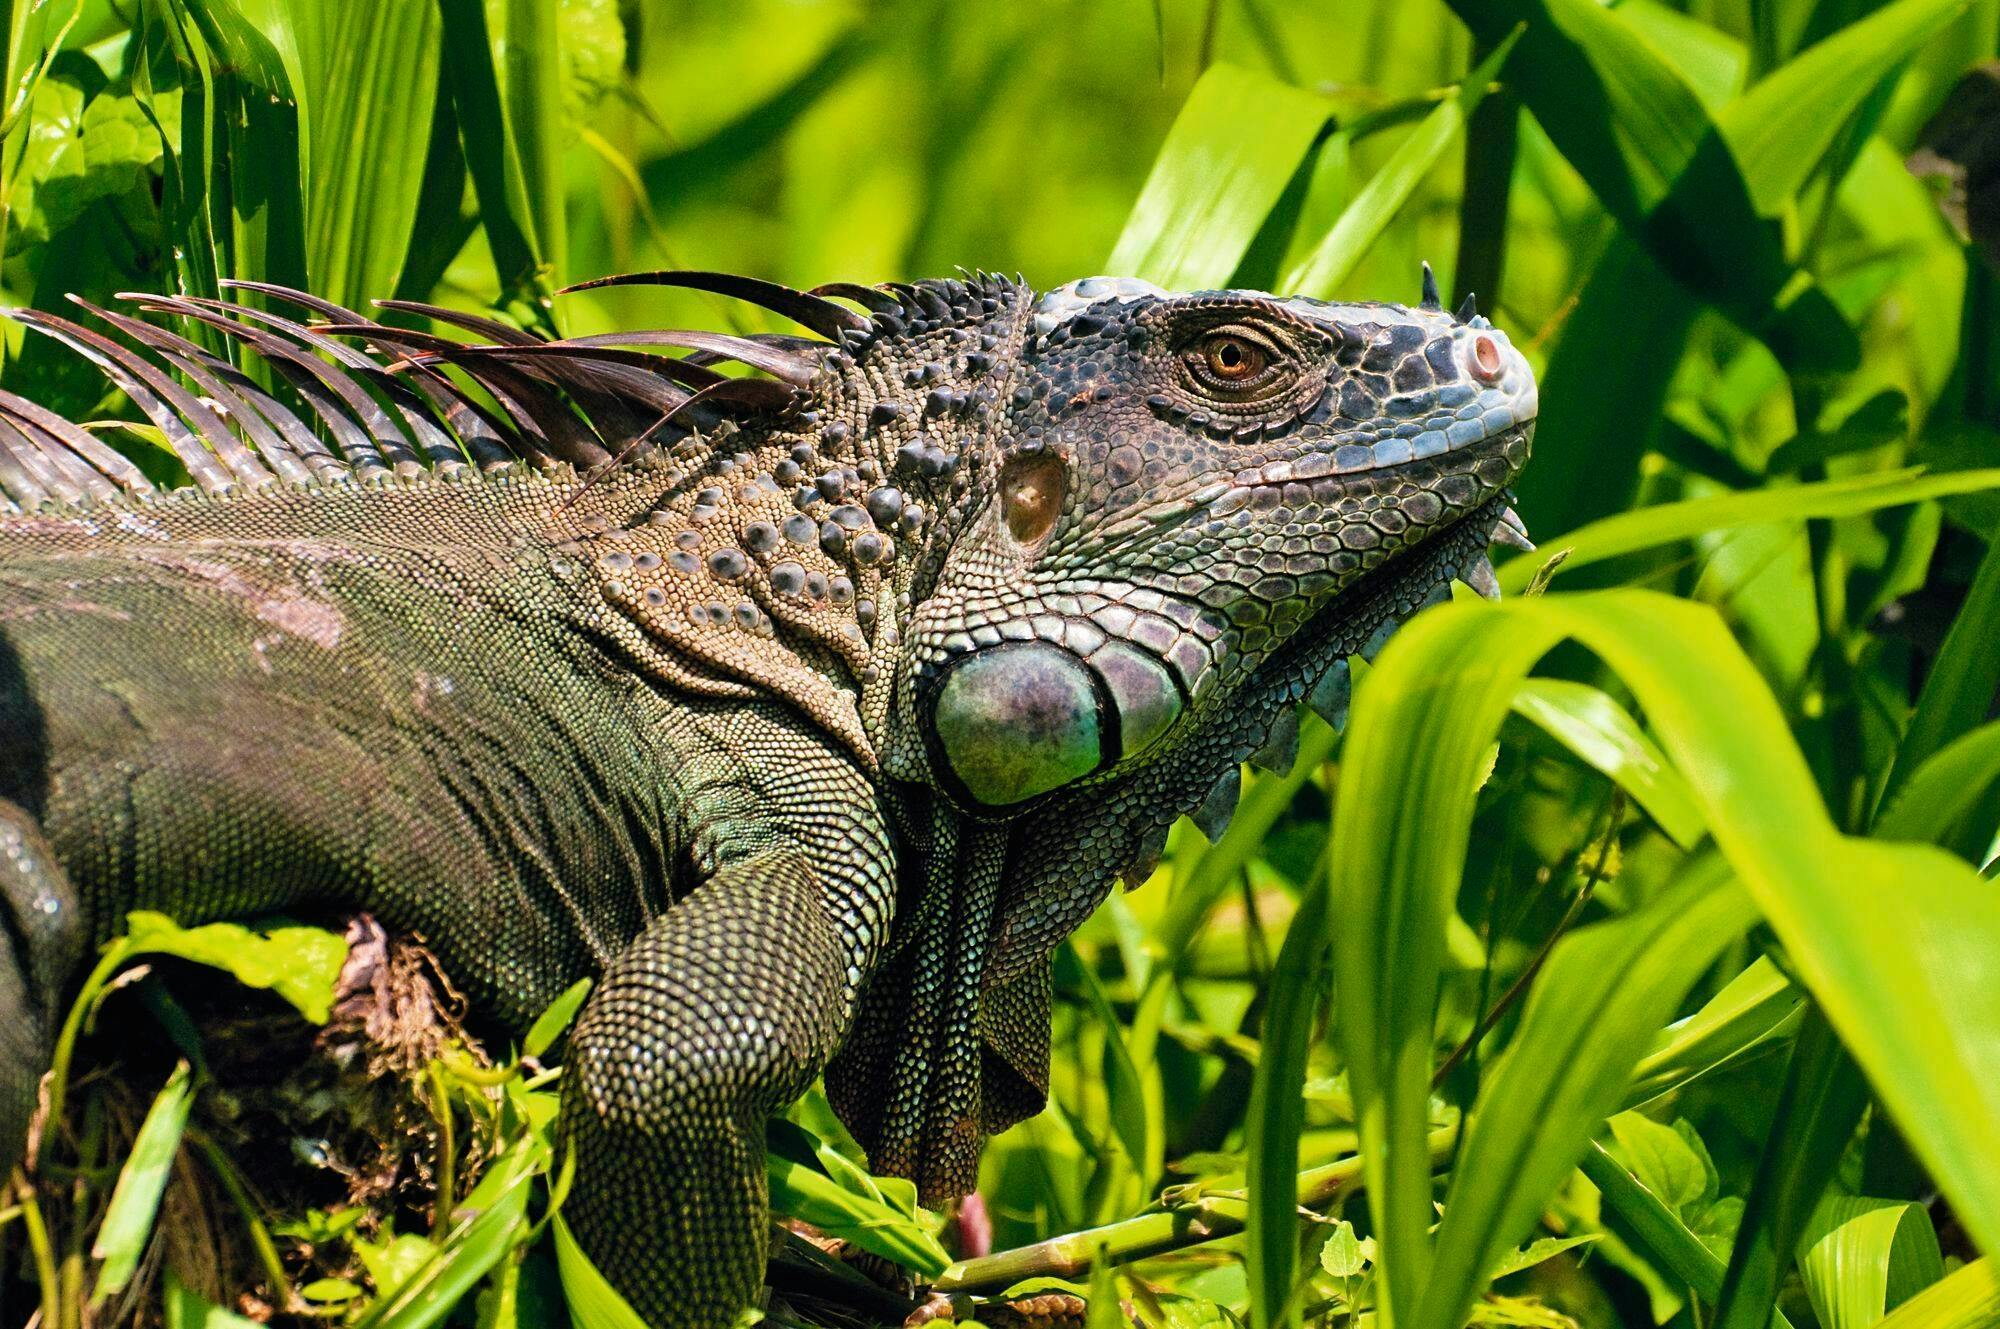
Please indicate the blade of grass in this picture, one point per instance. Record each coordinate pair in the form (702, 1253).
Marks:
(1818, 1110)
(1961, 682)
(1968, 1298)
(1865, 1258)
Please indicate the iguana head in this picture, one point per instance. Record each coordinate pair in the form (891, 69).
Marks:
(1152, 525)
(1174, 490)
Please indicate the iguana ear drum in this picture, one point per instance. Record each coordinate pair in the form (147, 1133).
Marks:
(1022, 718)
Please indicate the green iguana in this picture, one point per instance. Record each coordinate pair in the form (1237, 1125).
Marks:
(809, 709)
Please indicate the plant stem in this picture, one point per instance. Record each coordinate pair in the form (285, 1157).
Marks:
(1175, 1227)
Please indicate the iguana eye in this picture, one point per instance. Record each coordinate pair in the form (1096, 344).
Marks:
(1231, 363)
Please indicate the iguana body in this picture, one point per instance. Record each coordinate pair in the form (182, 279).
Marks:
(812, 724)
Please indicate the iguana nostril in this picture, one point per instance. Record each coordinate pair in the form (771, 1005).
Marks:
(1018, 720)
(1486, 359)
(1031, 496)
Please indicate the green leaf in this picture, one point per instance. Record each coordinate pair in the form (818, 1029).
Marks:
(1962, 679)
(1606, 989)
(254, 160)
(1969, 1298)
(1866, 1257)
(1212, 185)
(1817, 1112)
(128, 1220)
(487, 1224)
(1537, 1252)
(1949, 786)
(1362, 221)
(1104, 1312)
(1783, 127)
(1914, 994)
(1277, 1110)
(556, 1020)
(1601, 732)
(1654, 1225)
(1661, 1160)
(1666, 523)
(813, 1183)
(184, 1308)
(366, 72)
(300, 964)
(80, 148)
(1756, 1007)
(1340, 1254)
(394, 1261)
(593, 1302)
(1639, 135)
(1124, 1091)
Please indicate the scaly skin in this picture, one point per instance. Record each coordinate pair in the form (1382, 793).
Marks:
(811, 727)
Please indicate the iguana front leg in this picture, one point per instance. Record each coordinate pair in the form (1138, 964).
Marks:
(719, 1013)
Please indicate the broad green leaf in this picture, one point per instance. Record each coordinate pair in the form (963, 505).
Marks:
(300, 964)
(554, 1022)
(1915, 995)
(593, 1302)
(1968, 1298)
(1601, 732)
(1322, 271)
(1212, 185)
(1662, 1161)
(1340, 1254)
(1606, 988)
(395, 1260)
(127, 1225)
(1277, 1111)
(1665, 523)
(1866, 1258)
(1782, 128)
(80, 148)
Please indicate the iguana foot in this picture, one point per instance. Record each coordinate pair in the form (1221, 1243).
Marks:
(723, 1009)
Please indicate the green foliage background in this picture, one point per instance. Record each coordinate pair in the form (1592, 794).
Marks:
(1675, 960)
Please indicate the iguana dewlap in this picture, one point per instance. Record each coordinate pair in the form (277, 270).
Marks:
(811, 708)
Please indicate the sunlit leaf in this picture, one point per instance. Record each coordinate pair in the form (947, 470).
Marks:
(1212, 185)
(127, 1225)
